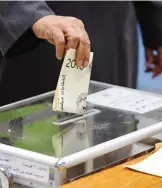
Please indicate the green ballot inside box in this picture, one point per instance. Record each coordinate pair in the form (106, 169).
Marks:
(30, 127)
(36, 127)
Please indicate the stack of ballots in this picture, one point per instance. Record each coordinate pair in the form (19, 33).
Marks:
(73, 84)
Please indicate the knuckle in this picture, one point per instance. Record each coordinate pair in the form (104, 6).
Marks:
(85, 41)
(76, 38)
(73, 19)
(60, 41)
(78, 22)
(58, 38)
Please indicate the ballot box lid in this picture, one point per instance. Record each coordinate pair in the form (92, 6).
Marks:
(114, 115)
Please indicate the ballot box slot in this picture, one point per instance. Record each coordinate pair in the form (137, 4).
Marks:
(76, 117)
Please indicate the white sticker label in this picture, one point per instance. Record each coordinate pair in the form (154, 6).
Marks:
(25, 168)
(125, 99)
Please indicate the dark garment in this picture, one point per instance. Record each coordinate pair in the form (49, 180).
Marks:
(29, 74)
(112, 29)
(17, 17)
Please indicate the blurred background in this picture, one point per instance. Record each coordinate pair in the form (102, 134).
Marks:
(112, 28)
(144, 80)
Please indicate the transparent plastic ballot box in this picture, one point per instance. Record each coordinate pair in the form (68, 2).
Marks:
(41, 148)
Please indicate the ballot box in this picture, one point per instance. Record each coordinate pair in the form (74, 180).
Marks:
(41, 148)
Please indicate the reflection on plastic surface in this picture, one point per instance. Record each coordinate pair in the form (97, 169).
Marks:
(36, 129)
(31, 127)
(127, 100)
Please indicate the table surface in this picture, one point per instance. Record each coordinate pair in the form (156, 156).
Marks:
(119, 176)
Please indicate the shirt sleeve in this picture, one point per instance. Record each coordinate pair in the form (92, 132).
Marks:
(16, 19)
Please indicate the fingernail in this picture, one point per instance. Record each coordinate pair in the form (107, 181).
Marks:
(59, 57)
(80, 63)
(86, 63)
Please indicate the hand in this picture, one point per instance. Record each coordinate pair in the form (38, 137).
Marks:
(65, 33)
(154, 61)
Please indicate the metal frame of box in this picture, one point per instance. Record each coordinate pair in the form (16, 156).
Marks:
(61, 165)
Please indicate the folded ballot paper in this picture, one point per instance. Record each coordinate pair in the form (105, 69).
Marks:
(73, 84)
(151, 165)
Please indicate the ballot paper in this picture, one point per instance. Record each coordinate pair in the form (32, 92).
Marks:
(152, 165)
(73, 84)
(126, 99)
(71, 140)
